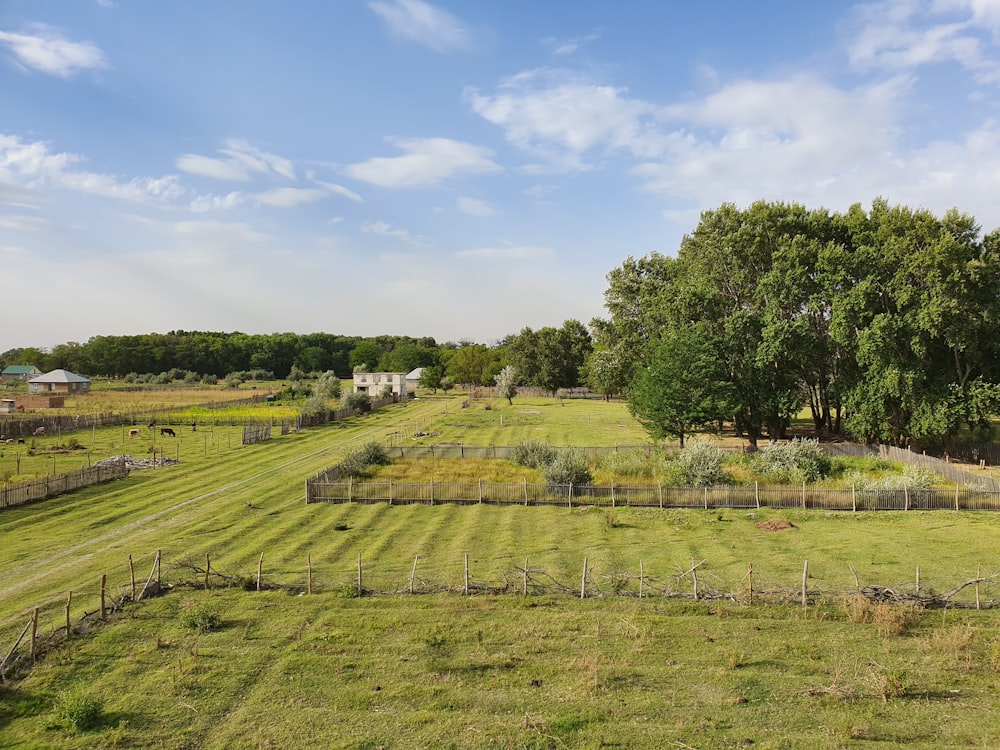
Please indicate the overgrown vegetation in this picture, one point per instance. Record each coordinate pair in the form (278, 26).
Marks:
(357, 463)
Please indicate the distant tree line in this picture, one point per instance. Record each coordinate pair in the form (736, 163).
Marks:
(884, 323)
(549, 358)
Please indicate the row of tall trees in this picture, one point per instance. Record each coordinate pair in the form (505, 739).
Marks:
(883, 322)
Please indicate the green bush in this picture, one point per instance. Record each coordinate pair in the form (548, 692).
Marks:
(699, 464)
(78, 710)
(357, 462)
(200, 617)
(796, 461)
(534, 454)
(568, 467)
(357, 400)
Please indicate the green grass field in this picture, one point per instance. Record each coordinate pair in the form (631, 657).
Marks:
(500, 670)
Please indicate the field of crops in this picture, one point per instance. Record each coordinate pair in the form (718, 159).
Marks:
(234, 668)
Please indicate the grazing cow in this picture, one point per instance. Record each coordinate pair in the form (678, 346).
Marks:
(39, 431)
(133, 433)
(168, 431)
(21, 441)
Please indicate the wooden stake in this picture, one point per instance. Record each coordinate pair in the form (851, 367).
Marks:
(104, 582)
(612, 494)
(17, 643)
(803, 495)
(34, 632)
(157, 563)
(750, 583)
(260, 566)
(978, 577)
(466, 591)
(413, 573)
(360, 586)
(524, 585)
(857, 583)
(525, 491)
(854, 499)
(583, 581)
(694, 578)
(69, 627)
(208, 568)
(756, 494)
(805, 578)
(918, 580)
(659, 493)
(131, 574)
(309, 574)
(641, 578)
(956, 497)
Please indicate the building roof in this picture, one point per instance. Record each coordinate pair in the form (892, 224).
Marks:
(414, 374)
(60, 376)
(20, 370)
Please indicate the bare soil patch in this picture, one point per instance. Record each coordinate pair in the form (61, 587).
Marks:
(776, 524)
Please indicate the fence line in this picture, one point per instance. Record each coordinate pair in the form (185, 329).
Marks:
(744, 497)
(40, 489)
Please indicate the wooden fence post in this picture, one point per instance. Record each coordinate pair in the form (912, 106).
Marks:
(390, 491)
(854, 499)
(979, 573)
(524, 585)
(104, 582)
(413, 573)
(750, 583)
(208, 569)
(756, 494)
(69, 627)
(612, 494)
(803, 495)
(659, 493)
(34, 632)
(360, 586)
(131, 574)
(642, 577)
(525, 491)
(309, 574)
(694, 578)
(956, 497)
(583, 580)
(706, 497)
(466, 590)
(805, 578)
(918, 580)
(260, 566)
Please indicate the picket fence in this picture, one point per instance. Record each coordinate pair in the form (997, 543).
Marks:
(40, 489)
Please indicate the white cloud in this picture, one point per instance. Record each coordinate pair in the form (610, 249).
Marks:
(561, 117)
(289, 197)
(385, 229)
(341, 191)
(423, 23)
(564, 47)
(46, 50)
(516, 252)
(241, 162)
(32, 165)
(901, 36)
(474, 207)
(426, 161)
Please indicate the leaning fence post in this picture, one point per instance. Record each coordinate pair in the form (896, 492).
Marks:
(260, 566)
(208, 568)
(694, 578)
(413, 573)
(583, 580)
(131, 573)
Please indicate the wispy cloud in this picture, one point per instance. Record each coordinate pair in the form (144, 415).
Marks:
(900, 36)
(424, 24)
(564, 47)
(426, 161)
(239, 163)
(45, 49)
(474, 206)
(385, 229)
(31, 164)
(341, 191)
(23, 223)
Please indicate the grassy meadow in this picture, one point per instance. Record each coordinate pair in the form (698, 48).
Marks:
(281, 668)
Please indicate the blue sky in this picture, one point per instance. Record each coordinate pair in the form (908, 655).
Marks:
(447, 169)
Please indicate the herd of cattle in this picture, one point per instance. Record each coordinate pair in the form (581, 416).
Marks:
(134, 432)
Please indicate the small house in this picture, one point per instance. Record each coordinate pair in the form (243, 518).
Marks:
(19, 373)
(413, 379)
(377, 383)
(59, 381)
(7, 405)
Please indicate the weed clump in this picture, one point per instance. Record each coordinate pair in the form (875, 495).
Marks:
(889, 618)
(79, 711)
(201, 618)
(699, 464)
(568, 467)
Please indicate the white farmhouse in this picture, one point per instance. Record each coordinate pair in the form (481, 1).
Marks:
(376, 383)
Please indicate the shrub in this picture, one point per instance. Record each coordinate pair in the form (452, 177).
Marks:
(912, 478)
(568, 467)
(796, 461)
(699, 464)
(534, 454)
(210, 379)
(356, 463)
(314, 406)
(200, 617)
(356, 400)
(78, 710)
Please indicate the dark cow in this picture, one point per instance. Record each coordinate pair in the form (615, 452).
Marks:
(168, 431)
